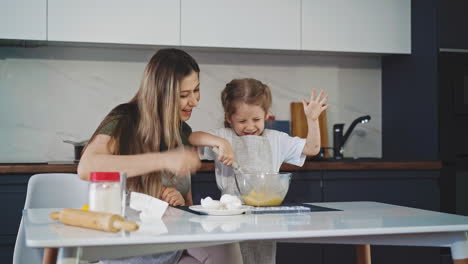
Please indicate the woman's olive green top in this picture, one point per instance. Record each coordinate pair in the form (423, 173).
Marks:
(181, 183)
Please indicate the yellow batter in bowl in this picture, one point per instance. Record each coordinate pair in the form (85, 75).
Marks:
(262, 199)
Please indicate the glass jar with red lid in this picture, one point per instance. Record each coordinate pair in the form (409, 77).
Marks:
(105, 192)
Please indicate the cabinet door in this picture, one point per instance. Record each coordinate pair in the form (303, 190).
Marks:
(203, 185)
(263, 24)
(418, 189)
(453, 24)
(151, 22)
(23, 19)
(13, 195)
(357, 26)
(305, 187)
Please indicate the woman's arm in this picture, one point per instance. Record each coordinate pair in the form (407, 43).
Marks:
(312, 110)
(226, 153)
(98, 157)
(188, 198)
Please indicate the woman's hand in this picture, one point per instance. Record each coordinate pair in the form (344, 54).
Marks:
(316, 106)
(226, 153)
(172, 196)
(182, 161)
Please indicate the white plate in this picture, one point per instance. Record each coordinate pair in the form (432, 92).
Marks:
(238, 211)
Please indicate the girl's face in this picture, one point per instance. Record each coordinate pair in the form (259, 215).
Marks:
(248, 119)
(189, 95)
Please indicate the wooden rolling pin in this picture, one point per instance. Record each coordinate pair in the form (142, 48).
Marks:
(93, 220)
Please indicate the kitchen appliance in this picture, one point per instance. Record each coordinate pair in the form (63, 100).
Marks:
(339, 139)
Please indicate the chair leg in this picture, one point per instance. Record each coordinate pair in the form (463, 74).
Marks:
(363, 254)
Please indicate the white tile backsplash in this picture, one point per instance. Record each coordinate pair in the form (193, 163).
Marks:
(48, 94)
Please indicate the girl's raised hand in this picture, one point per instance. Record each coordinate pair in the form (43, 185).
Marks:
(315, 106)
(172, 196)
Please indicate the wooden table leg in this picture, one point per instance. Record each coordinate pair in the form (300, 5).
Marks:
(363, 255)
(50, 256)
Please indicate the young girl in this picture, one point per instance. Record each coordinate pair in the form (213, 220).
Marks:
(246, 104)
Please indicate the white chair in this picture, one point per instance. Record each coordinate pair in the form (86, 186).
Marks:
(48, 190)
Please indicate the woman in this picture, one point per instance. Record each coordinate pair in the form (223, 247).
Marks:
(146, 137)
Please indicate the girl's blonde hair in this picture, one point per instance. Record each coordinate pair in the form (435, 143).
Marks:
(151, 117)
(247, 90)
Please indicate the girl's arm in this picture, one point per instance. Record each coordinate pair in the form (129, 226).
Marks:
(312, 146)
(312, 110)
(226, 153)
(98, 157)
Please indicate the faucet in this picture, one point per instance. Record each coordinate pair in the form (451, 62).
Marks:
(339, 140)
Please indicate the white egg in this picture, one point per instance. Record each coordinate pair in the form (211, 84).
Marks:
(209, 203)
(230, 201)
(227, 198)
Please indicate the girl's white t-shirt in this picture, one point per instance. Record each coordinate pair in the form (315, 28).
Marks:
(284, 148)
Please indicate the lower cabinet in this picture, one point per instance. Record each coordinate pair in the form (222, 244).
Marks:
(12, 194)
(203, 185)
(418, 189)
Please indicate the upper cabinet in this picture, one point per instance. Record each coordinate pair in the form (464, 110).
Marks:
(147, 22)
(357, 26)
(23, 19)
(362, 26)
(262, 24)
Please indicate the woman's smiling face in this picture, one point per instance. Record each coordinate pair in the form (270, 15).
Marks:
(189, 95)
(248, 119)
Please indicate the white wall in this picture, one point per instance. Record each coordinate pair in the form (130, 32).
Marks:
(48, 94)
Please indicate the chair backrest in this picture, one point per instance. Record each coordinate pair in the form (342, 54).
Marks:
(49, 190)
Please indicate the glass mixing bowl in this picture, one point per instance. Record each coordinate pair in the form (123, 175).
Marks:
(263, 189)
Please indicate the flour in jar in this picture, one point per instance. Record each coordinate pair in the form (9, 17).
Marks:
(105, 193)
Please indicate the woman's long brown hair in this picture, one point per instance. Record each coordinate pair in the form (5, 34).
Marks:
(152, 115)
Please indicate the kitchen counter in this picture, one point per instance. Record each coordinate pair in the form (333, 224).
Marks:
(208, 166)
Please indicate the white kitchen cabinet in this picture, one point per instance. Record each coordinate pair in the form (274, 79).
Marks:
(262, 24)
(374, 26)
(148, 22)
(23, 19)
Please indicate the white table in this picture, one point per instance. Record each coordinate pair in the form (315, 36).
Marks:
(358, 223)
